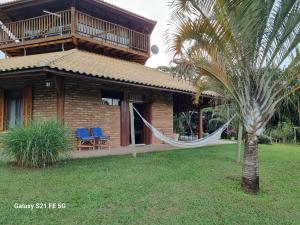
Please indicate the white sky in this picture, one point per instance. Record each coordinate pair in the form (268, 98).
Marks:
(157, 10)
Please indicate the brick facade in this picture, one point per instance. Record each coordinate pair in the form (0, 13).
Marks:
(44, 99)
(83, 106)
(162, 114)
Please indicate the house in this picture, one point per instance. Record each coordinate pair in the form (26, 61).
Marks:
(82, 63)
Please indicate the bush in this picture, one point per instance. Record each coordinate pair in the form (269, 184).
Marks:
(282, 132)
(178, 125)
(38, 144)
(264, 139)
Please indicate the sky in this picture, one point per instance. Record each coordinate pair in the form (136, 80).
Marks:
(157, 10)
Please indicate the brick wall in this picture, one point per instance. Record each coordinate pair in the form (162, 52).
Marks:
(83, 106)
(162, 114)
(44, 99)
(44, 102)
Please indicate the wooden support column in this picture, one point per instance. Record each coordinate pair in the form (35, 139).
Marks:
(132, 130)
(125, 121)
(60, 91)
(200, 123)
(148, 116)
(28, 104)
(74, 25)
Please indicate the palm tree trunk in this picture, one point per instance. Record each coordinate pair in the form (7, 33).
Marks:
(250, 179)
(239, 143)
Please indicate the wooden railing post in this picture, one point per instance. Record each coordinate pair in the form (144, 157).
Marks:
(148, 44)
(74, 26)
(73, 21)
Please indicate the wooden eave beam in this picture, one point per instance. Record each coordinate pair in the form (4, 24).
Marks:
(112, 46)
(5, 18)
(36, 43)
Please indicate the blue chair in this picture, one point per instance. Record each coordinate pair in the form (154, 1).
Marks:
(84, 140)
(101, 138)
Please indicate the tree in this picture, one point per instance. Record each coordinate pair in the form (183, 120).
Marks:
(222, 114)
(290, 108)
(188, 118)
(251, 48)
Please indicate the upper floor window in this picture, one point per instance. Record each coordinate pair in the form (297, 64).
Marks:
(112, 98)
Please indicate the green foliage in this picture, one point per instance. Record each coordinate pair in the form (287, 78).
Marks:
(264, 139)
(178, 124)
(38, 144)
(244, 49)
(289, 109)
(221, 114)
(283, 132)
(208, 110)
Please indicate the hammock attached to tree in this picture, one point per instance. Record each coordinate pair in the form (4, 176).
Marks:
(210, 139)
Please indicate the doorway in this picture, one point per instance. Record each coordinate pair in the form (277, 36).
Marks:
(14, 112)
(138, 123)
(142, 133)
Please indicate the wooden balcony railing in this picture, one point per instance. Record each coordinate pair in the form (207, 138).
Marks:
(85, 25)
(35, 28)
(112, 33)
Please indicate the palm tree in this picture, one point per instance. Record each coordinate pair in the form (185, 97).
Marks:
(251, 48)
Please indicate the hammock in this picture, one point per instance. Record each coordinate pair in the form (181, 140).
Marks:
(210, 139)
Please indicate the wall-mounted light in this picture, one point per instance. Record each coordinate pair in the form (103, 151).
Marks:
(48, 82)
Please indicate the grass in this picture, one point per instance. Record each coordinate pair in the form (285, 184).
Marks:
(197, 186)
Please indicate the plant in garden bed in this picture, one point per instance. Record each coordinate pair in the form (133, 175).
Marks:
(38, 144)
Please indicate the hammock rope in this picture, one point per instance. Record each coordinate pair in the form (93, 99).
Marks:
(186, 144)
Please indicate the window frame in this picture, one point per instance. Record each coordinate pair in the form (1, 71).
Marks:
(112, 97)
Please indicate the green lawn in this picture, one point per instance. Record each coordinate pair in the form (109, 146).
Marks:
(199, 186)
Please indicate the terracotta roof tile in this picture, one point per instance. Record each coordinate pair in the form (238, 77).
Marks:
(82, 62)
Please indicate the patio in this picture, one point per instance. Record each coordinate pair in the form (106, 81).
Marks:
(130, 149)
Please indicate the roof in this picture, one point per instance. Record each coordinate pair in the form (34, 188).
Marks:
(91, 64)
(6, 3)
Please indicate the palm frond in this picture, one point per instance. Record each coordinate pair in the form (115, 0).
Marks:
(248, 47)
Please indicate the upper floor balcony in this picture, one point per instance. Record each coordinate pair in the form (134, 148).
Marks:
(73, 28)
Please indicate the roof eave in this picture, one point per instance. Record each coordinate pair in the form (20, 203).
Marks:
(48, 70)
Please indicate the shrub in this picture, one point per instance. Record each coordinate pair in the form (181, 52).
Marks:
(38, 144)
(178, 125)
(282, 132)
(264, 139)
(231, 132)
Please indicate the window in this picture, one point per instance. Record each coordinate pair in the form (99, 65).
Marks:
(112, 98)
(14, 109)
(136, 98)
